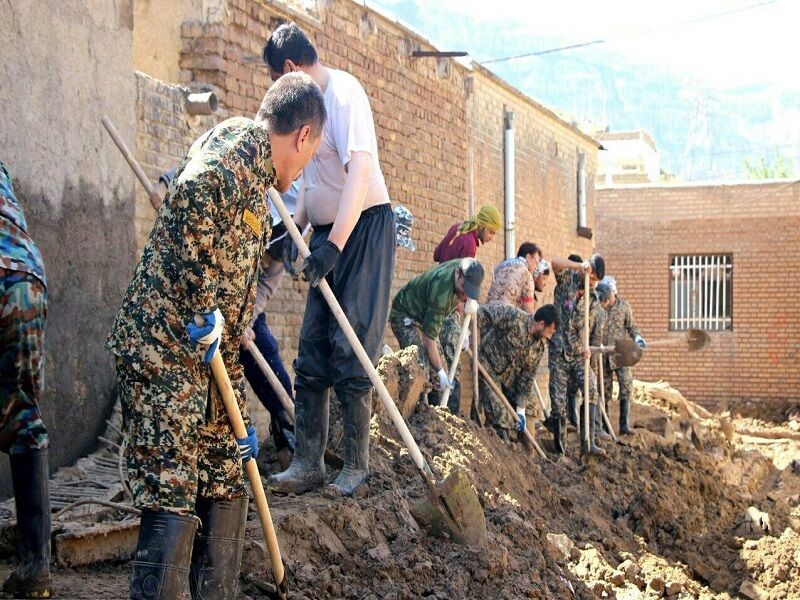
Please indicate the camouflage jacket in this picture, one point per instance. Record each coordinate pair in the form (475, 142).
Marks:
(509, 351)
(18, 251)
(203, 253)
(513, 283)
(574, 330)
(567, 284)
(619, 324)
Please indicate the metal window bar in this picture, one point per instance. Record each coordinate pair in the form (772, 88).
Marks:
(700, 292)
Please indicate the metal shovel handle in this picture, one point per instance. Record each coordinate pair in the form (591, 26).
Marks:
(355, 343)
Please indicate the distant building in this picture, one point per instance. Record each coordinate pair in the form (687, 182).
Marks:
(629, 157)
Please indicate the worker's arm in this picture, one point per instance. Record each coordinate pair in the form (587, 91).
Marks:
(559, 264)
(198, 206)
(351, 203)
(528, 298)
(300, 213)
(432, 349)
(630, 323)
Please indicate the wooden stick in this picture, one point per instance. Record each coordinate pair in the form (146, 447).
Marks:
(540, 398)
(603, 400)
(499, 393)
(251, 468)
(586, 362)
(285, 399)
(128, 156)
(454, 365)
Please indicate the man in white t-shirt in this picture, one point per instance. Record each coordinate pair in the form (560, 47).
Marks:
(344, 197)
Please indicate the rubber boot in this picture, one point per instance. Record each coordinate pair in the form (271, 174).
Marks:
(29, 478)
(594, 449)
(624, 409)
(559, 428)
(355, 423)
(163, 556)
(572, 409)
(600, 426)
(307, 471)
(218, 545)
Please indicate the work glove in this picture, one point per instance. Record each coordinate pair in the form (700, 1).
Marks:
(522, 422)
(444, 382)
(640, 342)
(207, 334)
(248, 446)
(289, 255)
(471, 307)
(320, 262)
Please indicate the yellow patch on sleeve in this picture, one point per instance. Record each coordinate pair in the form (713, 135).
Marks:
(252, 221)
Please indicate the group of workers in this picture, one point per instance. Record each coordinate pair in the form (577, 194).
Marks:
(213, 260)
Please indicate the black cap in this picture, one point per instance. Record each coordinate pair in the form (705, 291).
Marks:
(473, 277)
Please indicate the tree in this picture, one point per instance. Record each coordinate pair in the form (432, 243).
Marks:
(779, 168)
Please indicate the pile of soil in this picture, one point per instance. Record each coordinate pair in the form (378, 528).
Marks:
(657, 517)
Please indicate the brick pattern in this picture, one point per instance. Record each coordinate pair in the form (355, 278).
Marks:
(164, 132)
(640, 228)
(421, 114)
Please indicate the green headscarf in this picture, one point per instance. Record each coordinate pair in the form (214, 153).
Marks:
(488, 216)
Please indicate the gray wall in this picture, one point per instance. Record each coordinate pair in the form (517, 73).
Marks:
(65, 64)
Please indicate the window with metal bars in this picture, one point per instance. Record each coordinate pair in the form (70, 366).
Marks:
(700, 292)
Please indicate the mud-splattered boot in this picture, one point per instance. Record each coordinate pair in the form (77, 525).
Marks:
(594, 449)
(355, 421)
(29, 478)
(218, 545)
(600, 426)
(624, 410)
(559, 428)
(163, 555)
(307, 471)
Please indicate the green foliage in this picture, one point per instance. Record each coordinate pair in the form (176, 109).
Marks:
(779, 168)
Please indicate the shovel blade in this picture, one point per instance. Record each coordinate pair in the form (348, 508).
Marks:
(452, 507)
(626, 353)
(697, 339)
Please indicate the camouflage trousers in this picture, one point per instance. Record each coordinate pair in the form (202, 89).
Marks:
(562, 374)
(494, 410)
(624, 380)
(180, 444)
(23, 308)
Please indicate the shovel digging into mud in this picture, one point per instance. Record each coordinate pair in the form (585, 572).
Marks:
(454, 505)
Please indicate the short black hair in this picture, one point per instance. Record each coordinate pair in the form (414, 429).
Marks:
(292, 102)
(288, 42)
(575, 258)
(547, 313)
(528, 248)
(598, 265)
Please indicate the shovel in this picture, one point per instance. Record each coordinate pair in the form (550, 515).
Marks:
(626, 352)
(469, 310)
(499, 393)
(606, 420)
(454, 504)
(695, 339)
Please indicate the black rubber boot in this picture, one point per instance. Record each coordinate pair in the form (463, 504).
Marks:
(572, 408)
(594, 449)
(218, 545)
(355, 422)
(163, 555)
(624, 409)
(307, 471)
(600, 426)
(30, 477)
(559, 429)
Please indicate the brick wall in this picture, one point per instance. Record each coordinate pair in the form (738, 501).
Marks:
(640, 228)
(420, 108)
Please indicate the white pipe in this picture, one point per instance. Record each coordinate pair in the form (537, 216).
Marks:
(508, 155)
(582, 190)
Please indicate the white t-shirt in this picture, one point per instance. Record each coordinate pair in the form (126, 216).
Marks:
(349, 128)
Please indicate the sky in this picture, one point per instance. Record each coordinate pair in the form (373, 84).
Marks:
(739, 55)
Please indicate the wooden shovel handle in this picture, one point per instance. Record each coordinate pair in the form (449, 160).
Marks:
(454, 366)
(274, 382)
(586, 363)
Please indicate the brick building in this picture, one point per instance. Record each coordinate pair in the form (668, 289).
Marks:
(133, 60)
(719, 257)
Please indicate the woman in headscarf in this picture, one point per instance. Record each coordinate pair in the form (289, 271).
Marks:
(463, 239)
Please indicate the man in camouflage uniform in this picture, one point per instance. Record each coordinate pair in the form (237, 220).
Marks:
(514, 281)
(421, 307)
(23, 436)
(569, 279)
(512, 343)
(192, 293)
(619, 324)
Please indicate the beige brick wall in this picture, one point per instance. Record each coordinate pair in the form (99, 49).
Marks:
(640, 228)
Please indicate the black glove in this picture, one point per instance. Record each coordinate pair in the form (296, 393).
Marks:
(320, 262)
(289, 255)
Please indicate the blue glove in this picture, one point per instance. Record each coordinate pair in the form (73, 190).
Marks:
(640, 342)
(248, 447)
(207, 334)
(522, 422)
